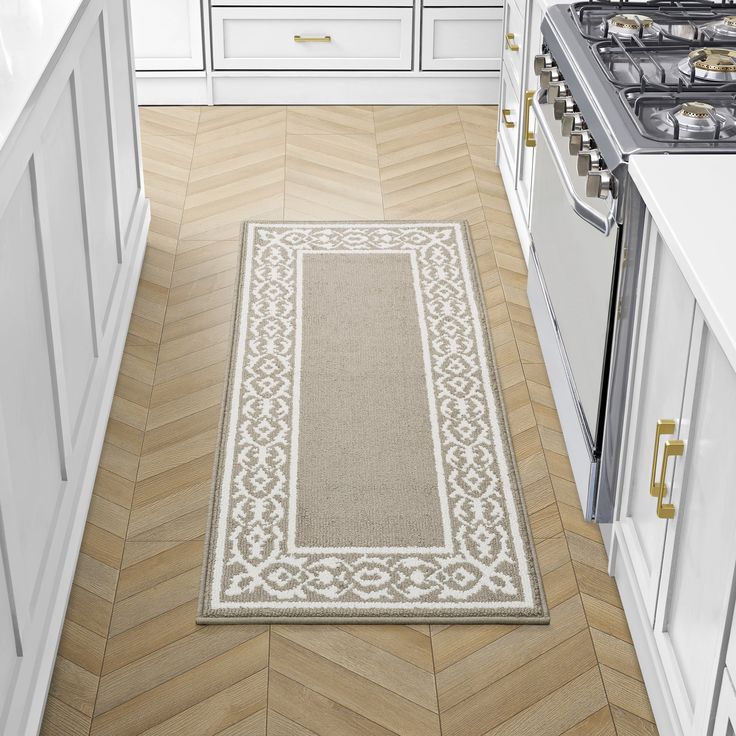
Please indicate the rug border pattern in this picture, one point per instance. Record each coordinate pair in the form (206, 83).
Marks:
(536, 614)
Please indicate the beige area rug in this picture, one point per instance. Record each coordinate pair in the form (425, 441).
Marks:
(364, 470)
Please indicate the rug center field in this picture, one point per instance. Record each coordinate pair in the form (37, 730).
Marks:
(368, 456)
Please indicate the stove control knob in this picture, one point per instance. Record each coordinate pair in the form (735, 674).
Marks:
(590, 161)
(557, 89)
(571, 123)
(600, 184)
(580, 140)
(543, 61)
(548, 76)
(563, 105)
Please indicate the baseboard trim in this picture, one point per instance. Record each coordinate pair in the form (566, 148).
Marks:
(167, 89)
(325, 88)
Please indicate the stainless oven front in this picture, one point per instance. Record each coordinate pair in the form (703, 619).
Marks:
(572, 291)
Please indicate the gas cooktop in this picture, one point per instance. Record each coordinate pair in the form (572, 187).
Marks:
(659, 21)
(633, 77)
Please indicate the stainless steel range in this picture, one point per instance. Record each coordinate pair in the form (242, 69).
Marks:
(616, 79)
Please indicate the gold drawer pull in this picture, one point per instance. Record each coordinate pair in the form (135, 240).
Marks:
(510, 45)
(671, 448)
(529, 140)
(664, 426)
(313, 39)
(505, 117)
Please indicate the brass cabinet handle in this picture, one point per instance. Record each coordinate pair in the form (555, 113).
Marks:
(510, 45)
(664, 426)
(313, 39)
(529, 140)
(505, 117)
(671, 448)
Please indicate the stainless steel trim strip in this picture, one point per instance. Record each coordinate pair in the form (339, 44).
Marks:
(563, 352)
(603, 223)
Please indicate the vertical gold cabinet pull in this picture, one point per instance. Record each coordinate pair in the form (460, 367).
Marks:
(510, 45)
(313, 39)
(505, 116)
(664, 426)
(529, 140)
(672, 448)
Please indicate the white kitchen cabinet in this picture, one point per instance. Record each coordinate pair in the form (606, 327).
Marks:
(73, 223)
(674, 550)
(657, 390)
(461, 38)
(422, 52)
(167, 35)
(515, 153)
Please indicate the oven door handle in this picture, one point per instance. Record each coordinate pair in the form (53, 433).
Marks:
(604, 223)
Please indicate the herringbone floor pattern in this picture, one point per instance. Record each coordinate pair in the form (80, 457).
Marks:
(132, 660)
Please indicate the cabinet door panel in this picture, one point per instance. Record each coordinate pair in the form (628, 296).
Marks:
(60, 193)
(167, 34)
(531, 84)
(98, 176)
(9, 658)
(699, 556)
(725, 724)
(462, 38)
(30, 498)
(665, 325)
(119, 68)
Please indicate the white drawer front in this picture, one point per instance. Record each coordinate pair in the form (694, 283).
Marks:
(462, 38)
(311, 38)
(513, 40)
(510, 120)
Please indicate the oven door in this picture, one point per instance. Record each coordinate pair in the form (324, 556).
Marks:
(571, 285)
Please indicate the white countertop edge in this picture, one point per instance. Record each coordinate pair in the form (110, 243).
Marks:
(691, 200)
(33, 33)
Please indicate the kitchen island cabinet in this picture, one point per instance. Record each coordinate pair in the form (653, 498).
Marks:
(73, 224)
(674, 548)
(362, 52)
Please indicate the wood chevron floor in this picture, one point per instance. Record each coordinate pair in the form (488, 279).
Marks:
(131, 659)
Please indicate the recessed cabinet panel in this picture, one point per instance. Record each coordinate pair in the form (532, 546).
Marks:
(98, 176)
(534, 46)
(125, 138)
(462, 39)
(31, 498)
(311, 38)
(8, 652)
(61, 200)
(725, 724)
(510, 118)
(665, 324)
(167, 34)
(701, 545)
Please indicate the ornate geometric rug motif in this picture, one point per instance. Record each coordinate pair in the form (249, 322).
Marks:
(364, 470)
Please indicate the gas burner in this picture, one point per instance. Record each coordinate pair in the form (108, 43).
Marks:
(695, 121)
(696, 117)
(627, 25)
(723, 29)
(710, 65)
